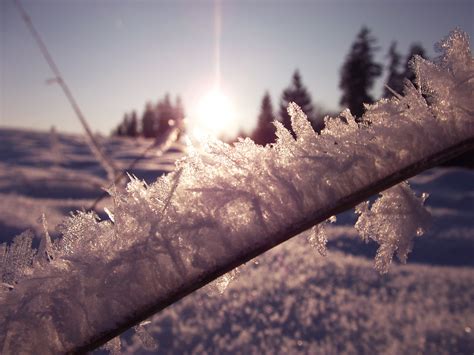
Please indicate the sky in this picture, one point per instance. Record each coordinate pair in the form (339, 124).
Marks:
(117, 55)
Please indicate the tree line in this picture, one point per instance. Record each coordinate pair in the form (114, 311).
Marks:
(156, 119)
(357, 78)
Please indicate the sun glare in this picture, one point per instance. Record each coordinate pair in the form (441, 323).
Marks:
(216, 116)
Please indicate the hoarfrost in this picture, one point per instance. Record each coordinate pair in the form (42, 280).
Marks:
(145, 337)
(318, 236)
(45, 250)
(220, 284)
(113, 346)
(16, 259)
(224, 203)
(393, 221)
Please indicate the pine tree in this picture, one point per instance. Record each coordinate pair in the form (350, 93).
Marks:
(264, 133)
(394, 77)
(415, 49)
(165, 114)
(122, 127)
(132, 127)
(149, 122)
(158, 119)
(298, 94)
(359, 72)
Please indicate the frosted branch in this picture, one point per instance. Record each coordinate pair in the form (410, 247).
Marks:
(229, 204)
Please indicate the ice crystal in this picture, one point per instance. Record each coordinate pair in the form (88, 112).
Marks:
(16, 260)
(45, 250)
(148, 342)
(318, 236)
(79, 234)
(220, 284)
(393, 221)
(113, 346)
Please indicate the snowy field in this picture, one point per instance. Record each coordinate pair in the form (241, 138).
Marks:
(290, 300)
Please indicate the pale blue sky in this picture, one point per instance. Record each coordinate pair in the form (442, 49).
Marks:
(116, 55)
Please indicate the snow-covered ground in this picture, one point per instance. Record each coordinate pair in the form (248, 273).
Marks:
(291, 300)
(57, 173)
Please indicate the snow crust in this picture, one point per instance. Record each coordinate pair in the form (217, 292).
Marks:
(223, 201)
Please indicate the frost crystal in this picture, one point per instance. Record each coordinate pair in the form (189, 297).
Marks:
(318, 236)
(393, 221)
(145, 338)
(223, 203)
(113, 346)
(16, 260)
(220, 284)
(45, 250)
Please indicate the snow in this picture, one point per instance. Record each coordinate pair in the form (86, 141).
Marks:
(224, 202)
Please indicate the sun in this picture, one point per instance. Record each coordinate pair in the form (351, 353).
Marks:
(215, 114)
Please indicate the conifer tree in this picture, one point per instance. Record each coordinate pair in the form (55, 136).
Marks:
(149, 122)
(395, 77)
(132, 126)
(359, 72)
(165, 113)
(264, 133)
(298, 94)
(122, 127)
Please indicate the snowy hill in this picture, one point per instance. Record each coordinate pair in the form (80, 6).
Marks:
(56, 174)
(293, 300)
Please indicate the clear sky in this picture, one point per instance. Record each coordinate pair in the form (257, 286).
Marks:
(118, 54)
